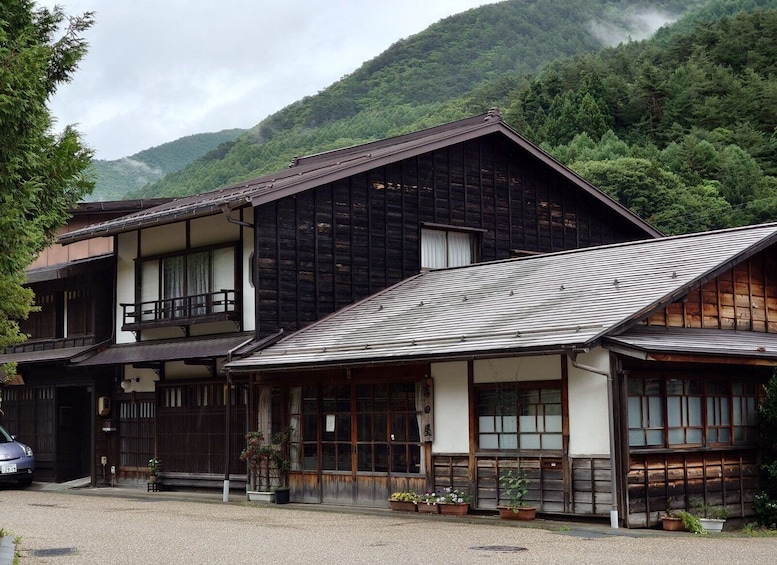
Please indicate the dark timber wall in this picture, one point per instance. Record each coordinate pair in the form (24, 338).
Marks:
(326, 247)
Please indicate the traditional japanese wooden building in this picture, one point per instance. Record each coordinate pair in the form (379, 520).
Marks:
(50, 404)
(204, 279)
(618, 378)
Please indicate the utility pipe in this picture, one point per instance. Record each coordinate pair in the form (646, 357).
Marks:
(611, 417)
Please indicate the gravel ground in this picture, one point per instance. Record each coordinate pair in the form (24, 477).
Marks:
(121, 526)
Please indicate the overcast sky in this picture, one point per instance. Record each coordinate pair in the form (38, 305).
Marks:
(158, 70)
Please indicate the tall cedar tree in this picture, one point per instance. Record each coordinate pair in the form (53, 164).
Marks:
(42, 174)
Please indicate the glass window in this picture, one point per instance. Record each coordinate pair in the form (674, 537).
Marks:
(672, 412)
(511, 418)
(383, 419)
(440, 249)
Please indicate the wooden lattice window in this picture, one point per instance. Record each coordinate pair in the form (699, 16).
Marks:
(519, 416)
(136, 432)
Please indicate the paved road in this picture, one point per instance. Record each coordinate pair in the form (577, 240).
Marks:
(119, 526)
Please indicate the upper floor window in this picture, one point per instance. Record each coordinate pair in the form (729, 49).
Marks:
(442, 248)
(197, 286)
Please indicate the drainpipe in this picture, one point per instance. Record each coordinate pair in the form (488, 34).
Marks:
(611, 417)
(228, 417)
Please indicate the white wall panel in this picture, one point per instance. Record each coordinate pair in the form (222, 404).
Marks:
(588, 410)
(513, 369)
(451, 411)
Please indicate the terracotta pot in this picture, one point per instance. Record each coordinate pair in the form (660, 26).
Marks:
(153, 478)
(520, 513)
(672, 523)
(428, 508)
(402, 505)
(454, 509)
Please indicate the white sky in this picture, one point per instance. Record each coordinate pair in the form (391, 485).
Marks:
(158, 70)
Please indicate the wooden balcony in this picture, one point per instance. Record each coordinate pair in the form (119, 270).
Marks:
(218, 306)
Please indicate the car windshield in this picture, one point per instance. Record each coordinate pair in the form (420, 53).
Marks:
(5, 437)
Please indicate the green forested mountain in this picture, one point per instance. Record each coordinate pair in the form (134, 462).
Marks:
(114, 179)
(680, 127)
(407, 85)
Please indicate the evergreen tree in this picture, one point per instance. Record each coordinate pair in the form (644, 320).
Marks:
(41, 173)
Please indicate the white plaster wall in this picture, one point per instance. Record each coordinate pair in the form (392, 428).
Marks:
(451, 409)
(511, 369)
(213, 229)
(588, 411)
(126, 250)
(163, 239)
(249, 291)
(141, 380)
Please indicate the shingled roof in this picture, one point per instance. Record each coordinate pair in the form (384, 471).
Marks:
(314, 170)
(542, 304)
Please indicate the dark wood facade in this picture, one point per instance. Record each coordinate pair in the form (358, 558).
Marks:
(721, 473)
(743, 298)
(325, 248)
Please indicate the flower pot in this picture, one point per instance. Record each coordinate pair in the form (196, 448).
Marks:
(153, 478)
(425, 508)
(672, 524)
(519, 513)
(454, 509)
(402, 505)
(282, 496)
(260, 496)
(712, 525)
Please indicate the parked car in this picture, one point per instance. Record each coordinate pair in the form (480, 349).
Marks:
(17, 462)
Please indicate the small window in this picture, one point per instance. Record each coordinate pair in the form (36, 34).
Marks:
(446, 248)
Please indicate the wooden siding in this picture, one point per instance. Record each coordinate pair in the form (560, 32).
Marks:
(191, 430)
(28, 413)
(743, 298)
(589, 495)
(327, 247)
(724, 478)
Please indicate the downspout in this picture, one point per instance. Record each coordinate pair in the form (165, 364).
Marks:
(269, 340)
(227, 427)
(572, 355)
(228, 214)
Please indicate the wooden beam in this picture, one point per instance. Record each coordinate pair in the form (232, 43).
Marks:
(684, 358)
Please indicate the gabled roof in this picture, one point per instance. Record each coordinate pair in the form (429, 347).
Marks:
(539, 304)
(314, 170)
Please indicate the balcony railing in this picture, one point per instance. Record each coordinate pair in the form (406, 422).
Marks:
(216, 306)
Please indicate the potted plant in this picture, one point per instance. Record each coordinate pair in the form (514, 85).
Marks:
(513, 487)
(428, 503)
(670, 520)
(154, 467)
(454, 501)
(403, 501)
(711, 517)
(268, 466)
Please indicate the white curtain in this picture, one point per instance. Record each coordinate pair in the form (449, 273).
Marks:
(433, 249)
(198, 280)
(440, 249)
(459, 249)
(172, 285)
(295, 409)
(419, 406)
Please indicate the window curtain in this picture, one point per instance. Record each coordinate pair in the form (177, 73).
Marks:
(420, 403)
(433, 249)
(295, 421)
(172, 286)
(198, 281)
(459, 249)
